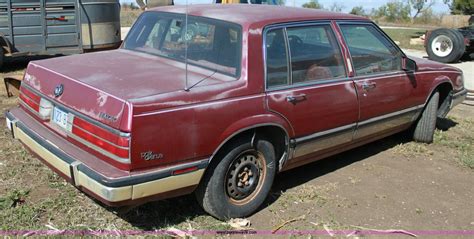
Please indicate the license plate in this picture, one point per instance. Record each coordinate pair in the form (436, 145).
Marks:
(60, 118)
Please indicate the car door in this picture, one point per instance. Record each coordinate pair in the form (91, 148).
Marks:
(385, 90)
(306, 83)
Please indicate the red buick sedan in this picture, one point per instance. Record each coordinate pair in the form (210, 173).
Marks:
(218, 102)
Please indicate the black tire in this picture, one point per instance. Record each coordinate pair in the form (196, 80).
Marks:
(425, 127)
(218, 192)
(458, 47)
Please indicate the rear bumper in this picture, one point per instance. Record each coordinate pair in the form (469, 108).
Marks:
(113, 187)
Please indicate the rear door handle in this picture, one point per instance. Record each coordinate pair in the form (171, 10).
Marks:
(296, 98)
(369, 86)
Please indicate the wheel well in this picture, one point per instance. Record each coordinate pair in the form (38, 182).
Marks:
(444, 90)
(274, 134)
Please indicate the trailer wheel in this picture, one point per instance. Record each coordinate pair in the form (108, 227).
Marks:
(445, 45)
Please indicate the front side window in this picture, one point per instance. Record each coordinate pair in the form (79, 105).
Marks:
(302, 54)
(212, 44)
(315, 54)
(371, 51)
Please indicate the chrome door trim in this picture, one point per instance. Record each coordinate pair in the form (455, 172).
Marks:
(329, 138)
(390, 115)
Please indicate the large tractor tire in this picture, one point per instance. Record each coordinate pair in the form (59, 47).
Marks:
(445, 45)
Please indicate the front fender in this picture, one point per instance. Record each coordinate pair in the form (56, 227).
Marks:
(437, 82)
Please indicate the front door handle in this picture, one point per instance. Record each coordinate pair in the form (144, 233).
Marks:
(295, 98)
(369, 86)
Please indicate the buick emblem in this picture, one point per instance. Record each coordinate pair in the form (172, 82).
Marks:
(58, 91)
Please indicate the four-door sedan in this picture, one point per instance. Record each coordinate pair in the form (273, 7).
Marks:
(221, 104)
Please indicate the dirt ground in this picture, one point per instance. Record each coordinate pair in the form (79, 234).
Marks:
(390, 184)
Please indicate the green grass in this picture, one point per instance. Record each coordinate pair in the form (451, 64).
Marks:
(404, 35)
(461, 141)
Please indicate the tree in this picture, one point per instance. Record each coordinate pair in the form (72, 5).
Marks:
(359, 10)
(465, 7)
(420, 6)
(313, 4)
(393, 11)
(336, 7)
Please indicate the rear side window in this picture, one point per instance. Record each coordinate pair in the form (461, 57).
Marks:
(315, 54)
(277, 58)
(371, 51)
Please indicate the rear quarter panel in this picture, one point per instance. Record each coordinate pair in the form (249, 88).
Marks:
(191, 132)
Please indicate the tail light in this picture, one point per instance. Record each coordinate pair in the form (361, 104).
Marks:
(40, 106)
(113, 145)
(30, 99)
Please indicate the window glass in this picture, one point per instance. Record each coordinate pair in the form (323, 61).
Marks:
(212, 44)
(277, 60)
(371, 52)
(315, 55)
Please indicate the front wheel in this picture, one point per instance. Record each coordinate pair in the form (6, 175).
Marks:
(239, 183)
(425, 127)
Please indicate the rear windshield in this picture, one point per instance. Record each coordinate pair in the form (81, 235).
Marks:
(212, 44)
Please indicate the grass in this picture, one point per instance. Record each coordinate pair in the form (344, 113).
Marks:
(403, 36)
(461, 141)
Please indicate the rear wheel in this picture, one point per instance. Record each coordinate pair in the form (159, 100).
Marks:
(445, 45)
(425, 127)
(237, 185)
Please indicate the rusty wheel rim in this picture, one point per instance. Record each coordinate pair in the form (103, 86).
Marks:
(244, 177)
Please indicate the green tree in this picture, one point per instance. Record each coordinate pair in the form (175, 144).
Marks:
(420, 6)
(358, 10)
(313, 4)
(394, 11)
(465, 7)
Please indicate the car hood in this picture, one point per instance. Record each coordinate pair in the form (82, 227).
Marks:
(428, 65)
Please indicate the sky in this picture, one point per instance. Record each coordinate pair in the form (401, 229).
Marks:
(439, 7)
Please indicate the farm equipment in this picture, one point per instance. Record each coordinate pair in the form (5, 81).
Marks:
(450, 45)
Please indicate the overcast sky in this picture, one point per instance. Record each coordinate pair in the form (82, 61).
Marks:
(439, 7)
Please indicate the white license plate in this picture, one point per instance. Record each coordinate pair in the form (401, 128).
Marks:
(60, 118)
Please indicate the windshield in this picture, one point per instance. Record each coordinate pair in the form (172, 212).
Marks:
(212, 44)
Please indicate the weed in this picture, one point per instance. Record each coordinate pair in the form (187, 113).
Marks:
(13, 198)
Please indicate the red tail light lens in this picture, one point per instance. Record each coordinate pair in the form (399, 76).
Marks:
(30, 99)
(104, 134)
(112, 143)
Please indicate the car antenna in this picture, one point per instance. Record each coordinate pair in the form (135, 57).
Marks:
(186, 88)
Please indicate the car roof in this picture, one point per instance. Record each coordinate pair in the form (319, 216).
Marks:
(248, 14)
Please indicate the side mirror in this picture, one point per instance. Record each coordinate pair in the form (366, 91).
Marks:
(408, 64)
